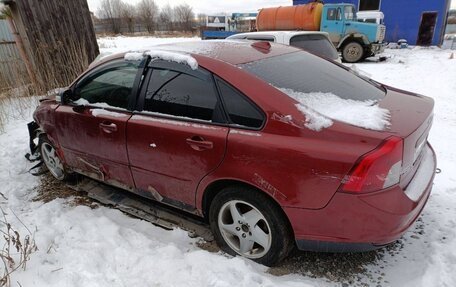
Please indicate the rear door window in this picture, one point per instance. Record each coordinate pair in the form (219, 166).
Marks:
(241, 111)
(176, 93)
(317, 44)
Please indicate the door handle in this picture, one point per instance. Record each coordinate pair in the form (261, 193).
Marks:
(108, 127)
(199, 144)
(347, 24)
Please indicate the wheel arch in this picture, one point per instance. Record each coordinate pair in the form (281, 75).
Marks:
(215, 187)
(52, 139)
(360, 38)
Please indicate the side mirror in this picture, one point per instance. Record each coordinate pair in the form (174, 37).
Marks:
(68, 96)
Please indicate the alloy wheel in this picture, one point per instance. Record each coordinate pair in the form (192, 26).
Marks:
(52, 161)
(245, 229)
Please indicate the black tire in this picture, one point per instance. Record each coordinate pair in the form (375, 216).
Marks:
(273, 225)
(45, 147)
(353, 52)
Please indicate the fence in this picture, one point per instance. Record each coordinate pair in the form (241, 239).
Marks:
(11, 64)
(102, 26)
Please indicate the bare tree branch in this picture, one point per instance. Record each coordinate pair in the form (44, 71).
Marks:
(166, 17)
(184, 16)
(148, 12)
(128, 14)
(111, 10)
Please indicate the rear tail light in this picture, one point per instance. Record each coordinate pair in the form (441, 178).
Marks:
(376, 170)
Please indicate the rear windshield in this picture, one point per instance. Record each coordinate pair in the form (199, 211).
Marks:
(307, 73)
(317, 44)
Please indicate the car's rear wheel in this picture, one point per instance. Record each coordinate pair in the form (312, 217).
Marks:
(352, 52)
(246, 222)
(51, 159)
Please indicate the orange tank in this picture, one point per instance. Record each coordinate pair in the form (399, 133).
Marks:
(305, 17)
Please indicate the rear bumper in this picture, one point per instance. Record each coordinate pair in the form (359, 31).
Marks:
(365, 222)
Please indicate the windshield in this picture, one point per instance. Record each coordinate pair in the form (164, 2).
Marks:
(317, 44)
(349, 12)
(307, 73)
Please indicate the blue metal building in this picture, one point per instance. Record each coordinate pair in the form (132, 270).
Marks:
(420, 22)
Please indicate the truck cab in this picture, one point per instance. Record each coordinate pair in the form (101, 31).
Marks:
(356, 40)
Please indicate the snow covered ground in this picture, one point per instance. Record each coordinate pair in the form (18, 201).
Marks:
(81, 246)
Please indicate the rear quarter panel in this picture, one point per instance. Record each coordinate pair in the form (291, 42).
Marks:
(296, 166)
(296, 171)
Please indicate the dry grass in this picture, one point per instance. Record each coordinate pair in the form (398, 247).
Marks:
(15, 104)
(51, 189)
(17, 248)
(17, 95)
(55, 66)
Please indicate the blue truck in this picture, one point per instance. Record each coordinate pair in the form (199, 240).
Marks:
(354, 39)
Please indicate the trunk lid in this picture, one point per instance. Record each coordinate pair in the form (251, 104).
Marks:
(411, 119)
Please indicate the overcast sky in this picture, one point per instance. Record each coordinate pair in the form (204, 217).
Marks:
(217, 6)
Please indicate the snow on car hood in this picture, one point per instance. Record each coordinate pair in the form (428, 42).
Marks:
(321, 109)
(164, 55)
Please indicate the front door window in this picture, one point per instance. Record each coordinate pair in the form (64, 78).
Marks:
(110, 87)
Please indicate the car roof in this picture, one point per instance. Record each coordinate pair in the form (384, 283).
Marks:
(230, 51)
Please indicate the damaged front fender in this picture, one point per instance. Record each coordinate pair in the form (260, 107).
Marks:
(34, 132)
(34, 154)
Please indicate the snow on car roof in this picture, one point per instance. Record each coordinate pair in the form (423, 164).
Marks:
(230, 51)
(164, 55)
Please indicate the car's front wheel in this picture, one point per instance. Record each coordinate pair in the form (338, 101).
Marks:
(52, 160)
(246, 222)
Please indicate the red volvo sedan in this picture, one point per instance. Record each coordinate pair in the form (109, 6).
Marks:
(273, 146)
